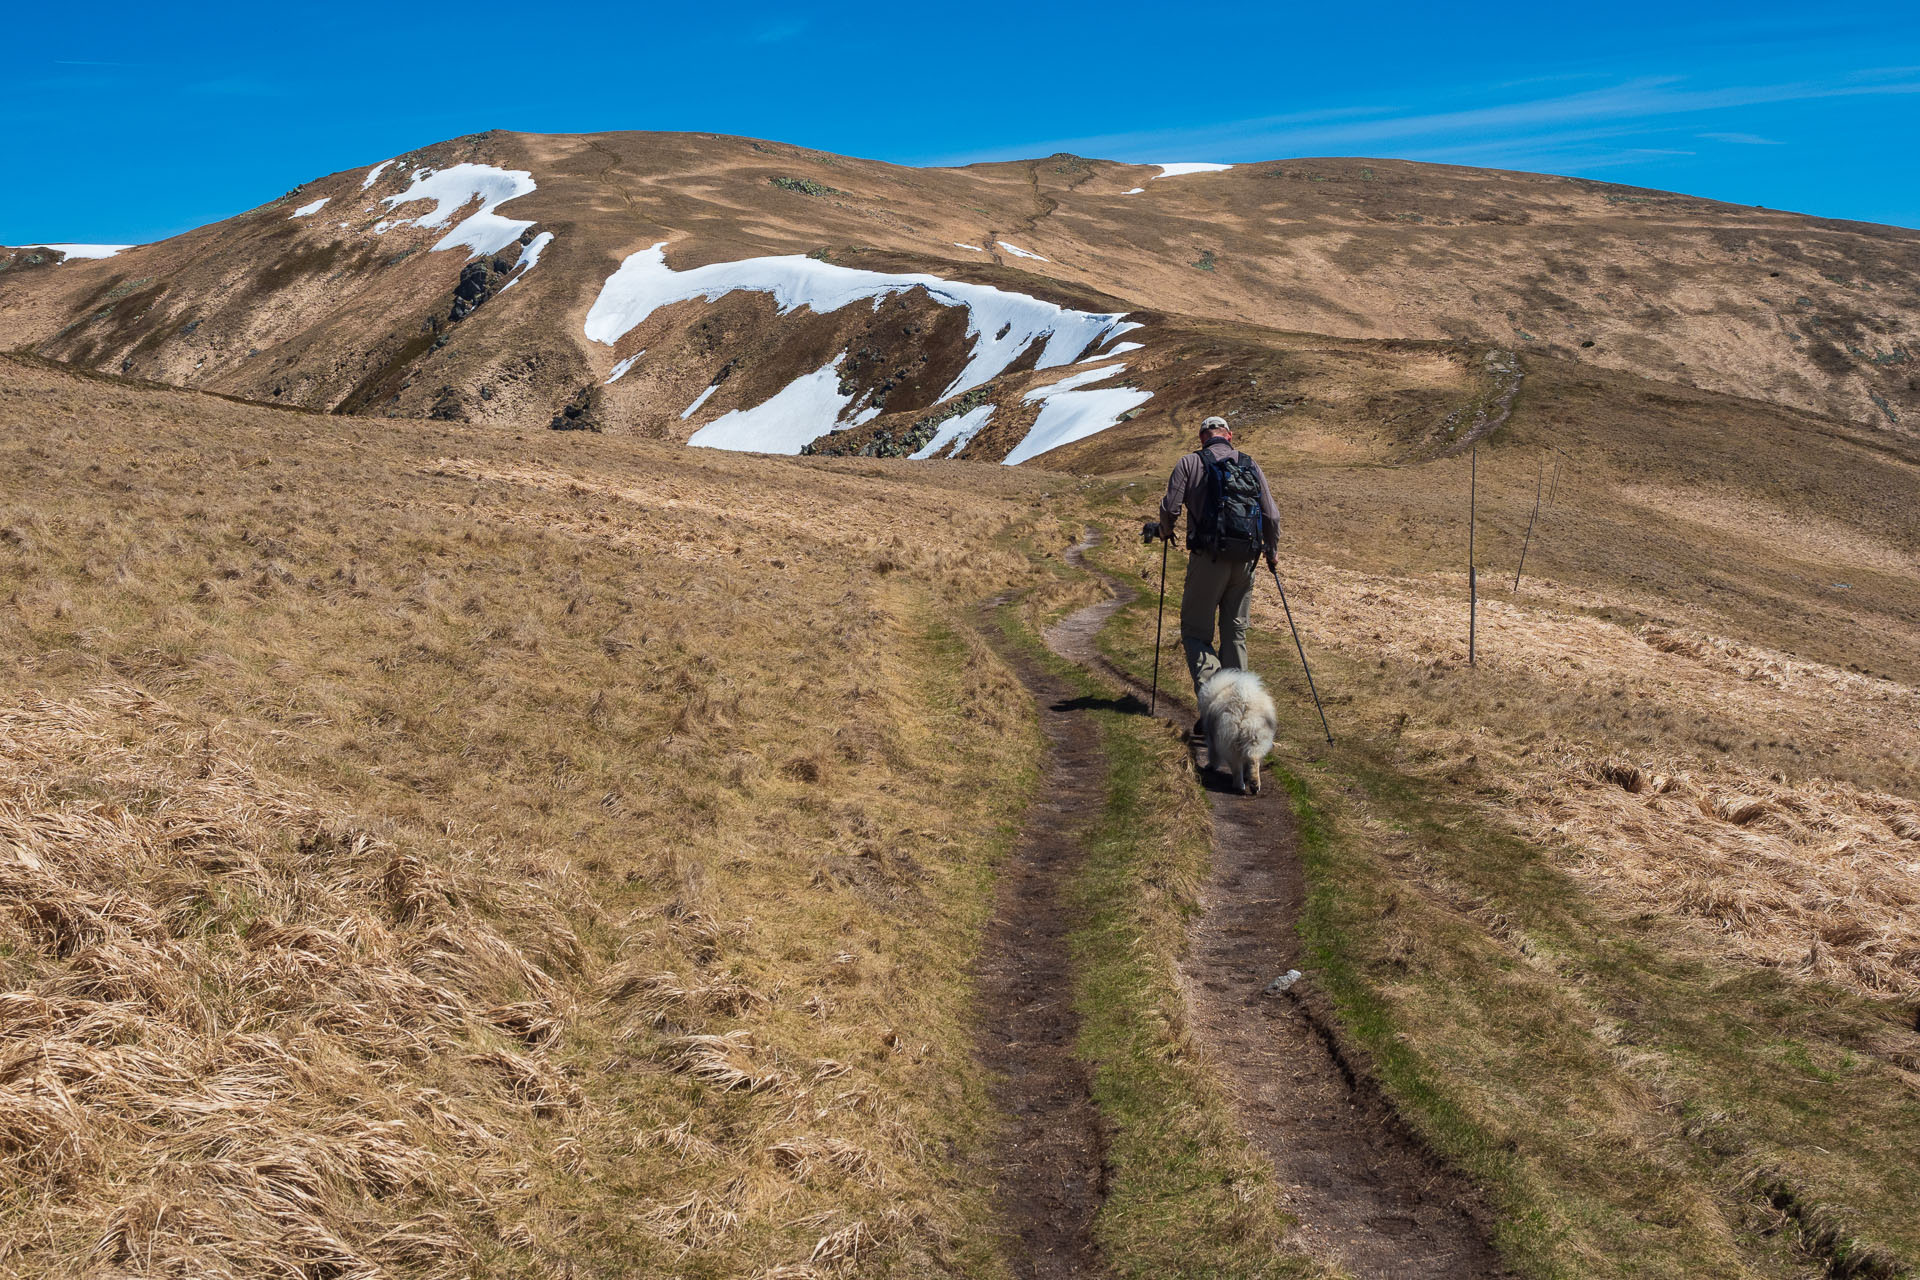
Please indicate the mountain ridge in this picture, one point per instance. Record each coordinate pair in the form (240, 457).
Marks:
(408, 310)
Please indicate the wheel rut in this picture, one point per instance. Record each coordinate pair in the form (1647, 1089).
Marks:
(1367, 1195)
(1050, 1173)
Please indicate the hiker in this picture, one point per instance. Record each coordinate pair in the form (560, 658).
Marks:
(1231, 520)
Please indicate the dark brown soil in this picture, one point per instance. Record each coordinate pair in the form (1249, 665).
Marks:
(1051, 1173)
(1368, 1196)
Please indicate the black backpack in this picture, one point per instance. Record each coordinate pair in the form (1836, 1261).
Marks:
(1231, 525)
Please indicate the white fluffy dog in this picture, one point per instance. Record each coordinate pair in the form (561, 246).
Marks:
(1240, 722)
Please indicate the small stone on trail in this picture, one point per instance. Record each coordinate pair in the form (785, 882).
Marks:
(1282, 983)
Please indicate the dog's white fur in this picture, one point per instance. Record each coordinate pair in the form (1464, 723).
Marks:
(1240, 722)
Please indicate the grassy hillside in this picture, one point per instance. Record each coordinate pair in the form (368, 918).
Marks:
(455, 851)
(451, 852)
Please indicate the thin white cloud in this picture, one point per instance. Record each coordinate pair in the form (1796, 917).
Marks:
(1741, 139)
(779, 32)
(1373, 130)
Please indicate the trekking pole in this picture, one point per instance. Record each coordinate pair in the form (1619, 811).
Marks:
(1159, 618)
(1301, 649)
(1148, 532)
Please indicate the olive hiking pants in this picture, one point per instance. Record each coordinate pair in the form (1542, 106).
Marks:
(1217, 591)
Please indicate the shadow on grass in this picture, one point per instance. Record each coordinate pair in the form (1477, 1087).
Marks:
(1126, 704)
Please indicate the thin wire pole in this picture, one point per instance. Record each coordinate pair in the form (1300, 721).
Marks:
(1538, 477)
(1159, 620)
(1301, 649)
(1553, 485)
(1473, 585)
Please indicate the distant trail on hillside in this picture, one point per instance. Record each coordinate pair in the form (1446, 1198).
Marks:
(1368, 1196)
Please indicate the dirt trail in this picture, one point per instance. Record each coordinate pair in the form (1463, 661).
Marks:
(1051, 1176)
(1368, 1197)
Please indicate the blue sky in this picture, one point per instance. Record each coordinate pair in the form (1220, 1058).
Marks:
(127, 123)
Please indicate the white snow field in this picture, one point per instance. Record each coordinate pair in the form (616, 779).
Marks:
(1067, 414)
(308, 210)
(373, 174)
(452, 190)
(1134, 191)
(1117, 349)
(620, 368)
(529, 258)
(1072, 382)
(1189, 166)
(1002, 325)
(76, 252)
(976, 248)
(955, 433)
(699, 400)
(1018, 252)
(804, 410)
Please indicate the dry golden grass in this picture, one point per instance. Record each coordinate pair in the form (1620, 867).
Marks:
(242, 1036)
(1615, 745)
(680, 782)
(1816, 876)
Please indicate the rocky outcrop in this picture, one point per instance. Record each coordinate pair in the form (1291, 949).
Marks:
(579, 413)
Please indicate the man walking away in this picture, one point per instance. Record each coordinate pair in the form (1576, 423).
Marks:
(1231, 521)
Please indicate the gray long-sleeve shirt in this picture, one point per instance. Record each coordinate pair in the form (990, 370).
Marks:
(1187, 487)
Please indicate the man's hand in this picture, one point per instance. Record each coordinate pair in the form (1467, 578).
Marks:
(1273, 560)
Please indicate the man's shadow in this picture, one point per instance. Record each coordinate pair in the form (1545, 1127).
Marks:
(1126, 704)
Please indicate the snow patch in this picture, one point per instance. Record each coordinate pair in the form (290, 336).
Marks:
(800, 413)
(956, 432)
(1018, 252)
(976, 248)
(866, 415)
(1189, 166)
(698, 400)
(373, 174)
(1067, 416)
(529, 258)
(1118, 349)
(1002, 325)
(1136, 190)
(620, 369)
(452, 190)
(78, 251)
(308, 210)
(1068, 413)
(1071, 382)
